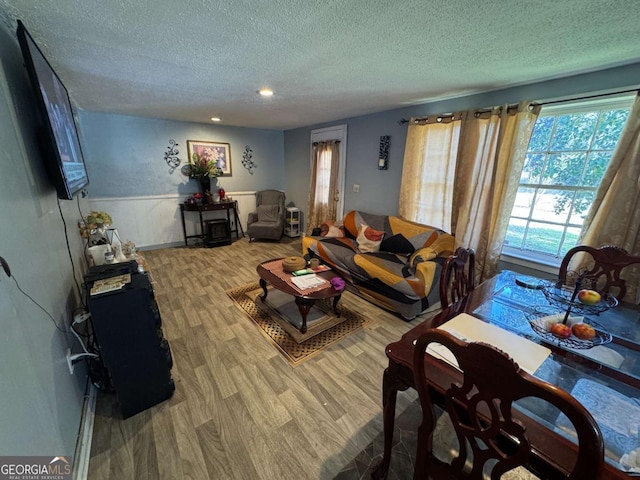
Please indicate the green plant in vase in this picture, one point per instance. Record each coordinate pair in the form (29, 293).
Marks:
(203, 167)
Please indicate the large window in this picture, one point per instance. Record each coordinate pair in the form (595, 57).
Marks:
(569, 151)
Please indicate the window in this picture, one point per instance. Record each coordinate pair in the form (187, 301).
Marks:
(568, 153)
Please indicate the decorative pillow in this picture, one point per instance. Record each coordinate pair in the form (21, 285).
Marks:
(335, 232)
(369, 239)
(267, 213)
(398, 244)
(324, 227)
(329, 230)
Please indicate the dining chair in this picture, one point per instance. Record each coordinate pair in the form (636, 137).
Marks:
(487, 440)
(608, 262)
(457, 276)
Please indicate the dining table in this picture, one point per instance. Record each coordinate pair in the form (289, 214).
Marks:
(604, 378)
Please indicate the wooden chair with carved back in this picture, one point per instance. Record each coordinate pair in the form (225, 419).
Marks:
(608, 262)
(457, 276)
(487, 440)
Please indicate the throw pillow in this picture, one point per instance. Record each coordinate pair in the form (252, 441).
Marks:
(335, 232)
(397, 244)
(324, 227)
(267, 213)
(329, 230)
(369, 239)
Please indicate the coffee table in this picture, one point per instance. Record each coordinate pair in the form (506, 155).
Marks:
(304, 301)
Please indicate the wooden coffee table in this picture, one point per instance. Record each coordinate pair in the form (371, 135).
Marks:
(303, 301)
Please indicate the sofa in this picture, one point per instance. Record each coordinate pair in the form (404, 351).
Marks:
(392, 262)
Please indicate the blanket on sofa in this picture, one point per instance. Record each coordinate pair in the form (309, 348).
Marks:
(402, 275)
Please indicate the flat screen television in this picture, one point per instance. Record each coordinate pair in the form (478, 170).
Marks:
(57, 134)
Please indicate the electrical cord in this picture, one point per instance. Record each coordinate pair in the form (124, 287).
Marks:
(13, 276)
(86, 247)
(84, 348)
(73, 266)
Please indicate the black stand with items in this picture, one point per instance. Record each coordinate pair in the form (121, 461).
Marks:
(214, 233)
(128, 328)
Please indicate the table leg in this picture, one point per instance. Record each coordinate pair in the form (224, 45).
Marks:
(304, 305)
(184, 227)
(263, 284)
(336, 299)
(237, 215)
(390, 386)
(229, 226)
(202, 235)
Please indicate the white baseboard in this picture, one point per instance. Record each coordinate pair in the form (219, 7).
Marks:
(85, 435)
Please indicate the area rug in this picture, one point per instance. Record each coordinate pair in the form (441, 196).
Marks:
(274, 319)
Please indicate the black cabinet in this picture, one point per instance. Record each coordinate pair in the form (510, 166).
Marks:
(128, 329)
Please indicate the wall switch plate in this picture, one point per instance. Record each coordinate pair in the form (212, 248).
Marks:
(356, 188)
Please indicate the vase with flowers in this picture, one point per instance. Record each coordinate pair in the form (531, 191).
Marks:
(203, 167)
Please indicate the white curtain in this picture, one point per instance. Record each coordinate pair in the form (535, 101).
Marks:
(493, 147)
(323, 188)
(428, 170)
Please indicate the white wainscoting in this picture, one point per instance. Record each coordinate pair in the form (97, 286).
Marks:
(154, 220)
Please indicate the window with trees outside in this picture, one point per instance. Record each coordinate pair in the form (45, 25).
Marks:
(568, 153)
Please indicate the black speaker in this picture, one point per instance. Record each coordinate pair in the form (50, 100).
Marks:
(127, 327)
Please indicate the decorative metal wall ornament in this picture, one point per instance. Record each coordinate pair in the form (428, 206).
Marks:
(383, 155)
(171, 155)
(247, 161)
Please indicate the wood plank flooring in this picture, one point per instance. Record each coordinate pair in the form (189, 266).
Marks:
(240, 411)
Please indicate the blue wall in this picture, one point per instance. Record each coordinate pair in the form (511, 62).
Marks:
(40, 402)
(379, 189)
(125, 155)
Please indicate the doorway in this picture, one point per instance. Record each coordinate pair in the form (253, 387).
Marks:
(335, 133)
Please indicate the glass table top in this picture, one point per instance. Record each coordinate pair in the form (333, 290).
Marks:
(605, 378)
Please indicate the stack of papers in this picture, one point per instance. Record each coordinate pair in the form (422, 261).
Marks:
(110, 284)
(527, 354)
(308, 281)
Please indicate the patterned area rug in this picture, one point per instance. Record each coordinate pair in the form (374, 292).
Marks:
(278, 317)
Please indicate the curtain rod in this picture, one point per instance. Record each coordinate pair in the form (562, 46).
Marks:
(586, 97)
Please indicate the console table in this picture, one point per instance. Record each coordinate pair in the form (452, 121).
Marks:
(209, 207)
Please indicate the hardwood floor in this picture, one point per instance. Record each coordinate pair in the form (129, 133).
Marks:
(240, 411)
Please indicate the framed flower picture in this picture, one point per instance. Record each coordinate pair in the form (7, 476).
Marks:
(218, 152)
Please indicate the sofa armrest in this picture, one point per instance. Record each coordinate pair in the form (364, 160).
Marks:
(444, 245)
(423, 254)
(426, 272)
(424, 266)
(253, 217)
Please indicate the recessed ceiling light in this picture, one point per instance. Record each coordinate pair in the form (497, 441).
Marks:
(266, 92)
(215, 119)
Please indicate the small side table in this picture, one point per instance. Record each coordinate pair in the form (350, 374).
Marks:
(208, 207)
(292, 222)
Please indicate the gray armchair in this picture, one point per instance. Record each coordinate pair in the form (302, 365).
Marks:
(267, 221)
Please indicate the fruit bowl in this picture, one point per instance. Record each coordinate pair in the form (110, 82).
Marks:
(539, 317)
(561, 297)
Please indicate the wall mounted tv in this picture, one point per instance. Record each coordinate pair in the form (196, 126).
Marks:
(57, 134)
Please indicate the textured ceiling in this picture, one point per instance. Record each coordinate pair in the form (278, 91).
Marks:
(325, 60)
